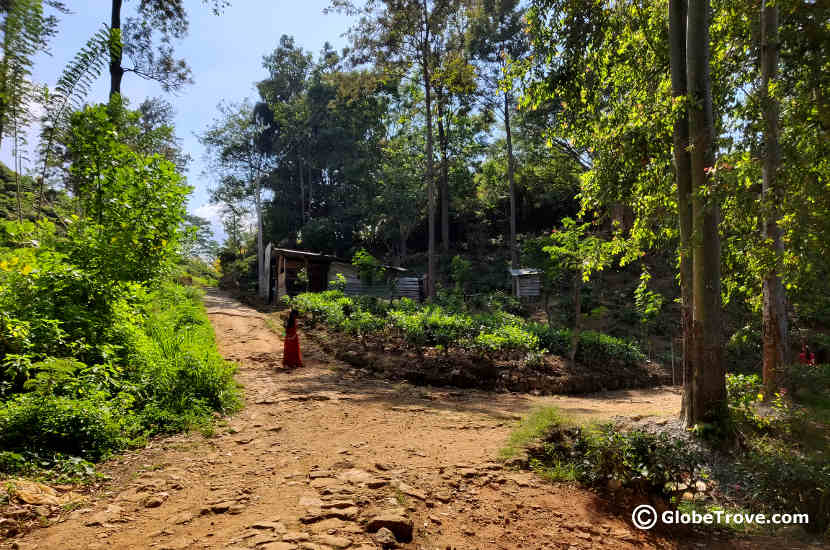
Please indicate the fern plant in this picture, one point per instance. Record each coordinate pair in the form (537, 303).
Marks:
(71, 90)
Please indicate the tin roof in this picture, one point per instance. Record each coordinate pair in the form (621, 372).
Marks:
(522, 271)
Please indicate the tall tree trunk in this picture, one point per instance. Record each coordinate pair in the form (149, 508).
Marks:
(263, 263)
(404, 236)
(310, 186)
(775, 337)
(302, 189)
(514, 251)
(577, 298)
(445, 184)
(429, 175)
(682, 168)
(116, 70)
(707, 403)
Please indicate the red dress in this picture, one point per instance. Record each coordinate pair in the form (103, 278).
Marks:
(291, 356)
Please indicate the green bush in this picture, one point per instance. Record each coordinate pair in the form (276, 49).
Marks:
(165, 375)
(507, 338)
(175, 367)
(594, 455)
(597, 350)
(779, 480)
(435, 325)
(90, 428)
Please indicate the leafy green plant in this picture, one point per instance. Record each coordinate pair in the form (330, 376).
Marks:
(368, 267)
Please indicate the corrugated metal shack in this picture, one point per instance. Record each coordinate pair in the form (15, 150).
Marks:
(527, 282)
(296, 271)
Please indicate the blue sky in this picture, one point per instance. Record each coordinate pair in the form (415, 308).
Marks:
(225, 54)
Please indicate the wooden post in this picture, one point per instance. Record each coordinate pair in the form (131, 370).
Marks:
(307, 274)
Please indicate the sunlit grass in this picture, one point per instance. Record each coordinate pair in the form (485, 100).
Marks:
(533, 426)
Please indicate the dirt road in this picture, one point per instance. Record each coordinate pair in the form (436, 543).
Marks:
(321, 456)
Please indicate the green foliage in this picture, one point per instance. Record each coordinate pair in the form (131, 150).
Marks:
(82, 427)
(777, 479)
(535, 425)
(338, 283)
(595, 349)
(594, 455)
(432, 325)
(461, 271)
(165, 376)
(133, 204)
(368, 267)
(648, 302)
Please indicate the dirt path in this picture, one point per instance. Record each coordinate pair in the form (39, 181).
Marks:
(320, 456)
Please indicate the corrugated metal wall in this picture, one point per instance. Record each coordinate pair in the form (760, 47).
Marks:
(404, 286)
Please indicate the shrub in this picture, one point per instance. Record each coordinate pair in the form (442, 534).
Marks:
(555, 340)
(648, 463)
(175, 366)
(597, 349)
(778, 480)
(507, 338)
(90, 428)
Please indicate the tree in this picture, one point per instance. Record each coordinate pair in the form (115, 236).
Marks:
(396, 35)
(26, 30)
(197, 240)
(682, 171)
(131, 205)
(497, 40)
(234, 146)
(775, 331)
(708, 400)
(579, 253)
(136, 40)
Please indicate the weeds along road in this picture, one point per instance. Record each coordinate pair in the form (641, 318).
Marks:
(323, 457)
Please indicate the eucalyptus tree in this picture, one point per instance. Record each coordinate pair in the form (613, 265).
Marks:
(400, 36)
(455, 87)
(497, 39)
(233, 144)
(604, 71)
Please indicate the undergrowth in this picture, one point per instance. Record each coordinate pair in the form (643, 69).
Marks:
(490, 334)
(776, 464)
(164, 376)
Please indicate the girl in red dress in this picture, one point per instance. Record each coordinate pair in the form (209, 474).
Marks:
(291, 356)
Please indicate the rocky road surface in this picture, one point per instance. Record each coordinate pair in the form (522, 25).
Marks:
(323, 457)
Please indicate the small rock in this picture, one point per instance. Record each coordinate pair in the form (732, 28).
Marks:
(385, 538)
(346, 514)
(295, 536)
(310, 502)
(400, 525)
(334, 541)
(268, 525)
(222, 507)
(154, 501)
(443, 496)
(181, 518)
(409, 490)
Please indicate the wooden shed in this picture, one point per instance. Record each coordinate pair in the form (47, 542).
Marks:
(287, 265)
(527, 282)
